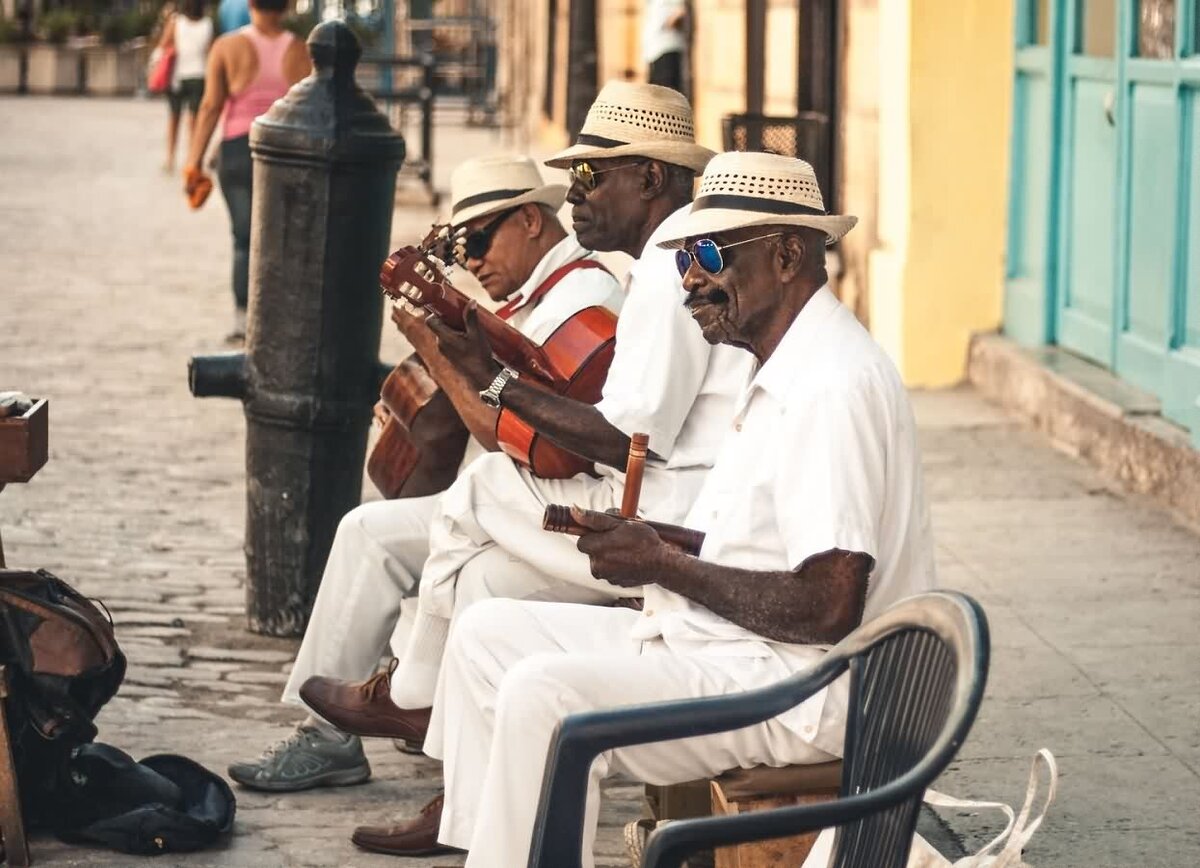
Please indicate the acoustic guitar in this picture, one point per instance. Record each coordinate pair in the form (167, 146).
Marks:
(572, 362)
(423, 439)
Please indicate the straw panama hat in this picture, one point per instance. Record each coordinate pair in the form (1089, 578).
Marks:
(486, 185)
(746, 188)
(643, 120)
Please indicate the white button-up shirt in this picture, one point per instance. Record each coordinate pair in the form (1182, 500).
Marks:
(578, 289)
(821, 453)
(667, 381)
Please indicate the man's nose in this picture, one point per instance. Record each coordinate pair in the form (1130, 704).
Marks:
(695, 278)
(575, 193)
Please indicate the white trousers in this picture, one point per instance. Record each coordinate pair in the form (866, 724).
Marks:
(490, 520)
(514, 669)
(373, 565)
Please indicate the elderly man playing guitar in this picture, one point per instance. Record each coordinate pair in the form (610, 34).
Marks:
(510, 238)
(814, 519)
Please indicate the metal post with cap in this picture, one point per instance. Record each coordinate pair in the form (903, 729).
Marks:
(325, 164)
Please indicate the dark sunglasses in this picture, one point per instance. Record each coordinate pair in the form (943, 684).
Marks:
(476, 243)
(584, 175)
(707, 254)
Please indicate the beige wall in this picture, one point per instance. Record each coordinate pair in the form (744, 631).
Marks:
(933, 193)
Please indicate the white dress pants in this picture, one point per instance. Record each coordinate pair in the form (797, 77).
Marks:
(373, 565)
(490, 520)
(514, 669)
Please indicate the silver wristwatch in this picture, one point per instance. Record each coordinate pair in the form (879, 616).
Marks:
(491, 395)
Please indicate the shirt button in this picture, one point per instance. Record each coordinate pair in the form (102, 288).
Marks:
(649, 613)
(738, 427)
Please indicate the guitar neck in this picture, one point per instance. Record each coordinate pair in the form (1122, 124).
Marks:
(509, 346)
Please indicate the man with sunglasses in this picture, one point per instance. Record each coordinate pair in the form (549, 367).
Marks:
(816, 489)
(511, 240)
(632, 171)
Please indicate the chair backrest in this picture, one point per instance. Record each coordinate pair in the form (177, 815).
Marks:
(901, 694)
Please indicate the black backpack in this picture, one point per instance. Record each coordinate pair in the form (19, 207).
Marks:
(63, 665)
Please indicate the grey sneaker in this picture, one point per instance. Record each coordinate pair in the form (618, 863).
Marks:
(305, 759)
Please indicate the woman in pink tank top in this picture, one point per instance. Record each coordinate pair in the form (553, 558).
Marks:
(248, 70)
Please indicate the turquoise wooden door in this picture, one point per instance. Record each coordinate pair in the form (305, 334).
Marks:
(1157, 318)
(1116, 277)
(1087, 212)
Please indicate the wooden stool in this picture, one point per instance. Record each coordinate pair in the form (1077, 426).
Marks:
(23, 451)
(763, 788)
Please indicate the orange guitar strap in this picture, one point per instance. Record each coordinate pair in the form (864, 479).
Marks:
(546, 285)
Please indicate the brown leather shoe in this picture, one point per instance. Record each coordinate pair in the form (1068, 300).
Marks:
(365, 708)
(416, 837)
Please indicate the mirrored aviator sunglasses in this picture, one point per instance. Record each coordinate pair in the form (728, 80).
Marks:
(584, 175)
(706, 253)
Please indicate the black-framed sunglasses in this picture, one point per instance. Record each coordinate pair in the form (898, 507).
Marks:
(584, 175)
(707, 254)
(476, 243)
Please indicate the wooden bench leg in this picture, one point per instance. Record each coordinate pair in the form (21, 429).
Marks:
(12, 825)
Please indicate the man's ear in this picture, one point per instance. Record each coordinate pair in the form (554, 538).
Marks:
(532, 219)
(654, 179)
(791, 255)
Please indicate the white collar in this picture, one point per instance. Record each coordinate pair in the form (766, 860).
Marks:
(791, 357)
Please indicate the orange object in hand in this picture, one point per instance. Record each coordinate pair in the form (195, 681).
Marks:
(197, 186)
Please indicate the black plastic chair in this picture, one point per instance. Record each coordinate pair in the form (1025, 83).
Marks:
(917, 677)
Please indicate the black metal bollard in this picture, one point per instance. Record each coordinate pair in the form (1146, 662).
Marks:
(325, 163)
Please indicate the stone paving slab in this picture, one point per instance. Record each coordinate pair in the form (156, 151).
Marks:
(109, 284)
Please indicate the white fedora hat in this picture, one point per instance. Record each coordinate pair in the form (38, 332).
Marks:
(746, 188)
(643, 120)
(486, 185)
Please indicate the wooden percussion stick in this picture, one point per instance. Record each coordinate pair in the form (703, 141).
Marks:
(634, 467)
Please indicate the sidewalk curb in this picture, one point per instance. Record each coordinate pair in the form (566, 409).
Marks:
(1094, 415)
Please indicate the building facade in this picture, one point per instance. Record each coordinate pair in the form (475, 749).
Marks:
(1031, 166)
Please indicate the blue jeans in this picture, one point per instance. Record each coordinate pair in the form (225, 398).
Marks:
(236, 173)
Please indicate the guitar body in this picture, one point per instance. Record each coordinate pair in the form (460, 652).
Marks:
(580, 351)
(423, 440)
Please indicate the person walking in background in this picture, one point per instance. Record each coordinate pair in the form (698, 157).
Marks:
(664, 38)
(247, 71)
(190, 32)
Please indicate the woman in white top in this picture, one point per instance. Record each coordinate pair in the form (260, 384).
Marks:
(191, 32)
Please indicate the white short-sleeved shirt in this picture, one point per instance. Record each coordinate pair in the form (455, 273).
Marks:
(667, 381)
(578, 289)
(657, 38)
(821, 454)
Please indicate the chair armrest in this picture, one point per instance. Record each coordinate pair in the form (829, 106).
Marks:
(558, 833)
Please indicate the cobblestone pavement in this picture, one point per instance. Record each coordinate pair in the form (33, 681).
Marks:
(110, 283)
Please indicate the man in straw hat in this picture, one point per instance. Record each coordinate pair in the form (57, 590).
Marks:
(816, 490)
(512, 241)
(633, 168)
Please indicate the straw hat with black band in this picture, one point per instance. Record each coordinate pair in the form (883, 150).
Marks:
(643, 120)
(489, 185)
(746, 188)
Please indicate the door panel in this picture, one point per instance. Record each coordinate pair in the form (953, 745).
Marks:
(1145, 324)
(1086, 256)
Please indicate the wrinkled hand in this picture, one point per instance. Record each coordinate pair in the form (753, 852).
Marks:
(623, 552)
(469, 349)
(410, 323)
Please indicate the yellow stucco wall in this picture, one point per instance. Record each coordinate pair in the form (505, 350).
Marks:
(959, 107)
